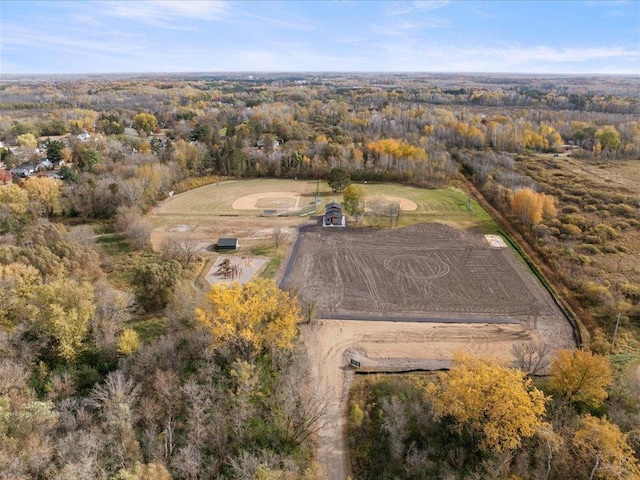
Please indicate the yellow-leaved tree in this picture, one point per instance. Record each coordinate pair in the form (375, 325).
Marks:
(354, 199)
(44, 195)
(65, 308)
(581, 377)
(603, 450)
(497, 406)
(128, 342)
(250, 318)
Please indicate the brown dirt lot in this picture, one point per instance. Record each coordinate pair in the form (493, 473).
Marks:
(428, 271)
(427, 274)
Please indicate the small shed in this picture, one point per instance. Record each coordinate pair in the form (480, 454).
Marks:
(333, 216)
(230, 243)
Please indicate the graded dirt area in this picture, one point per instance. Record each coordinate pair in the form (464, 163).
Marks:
(427, 273)
(443, 289)
(386, 347)
(423, 272)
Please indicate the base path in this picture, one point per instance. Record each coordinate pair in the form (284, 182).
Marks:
(387, 347)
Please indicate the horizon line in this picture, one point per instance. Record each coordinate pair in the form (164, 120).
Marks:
(315, 72)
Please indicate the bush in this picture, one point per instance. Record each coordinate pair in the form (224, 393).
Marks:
(591, 239)
(609, 249)
(631, 291)
(590, 249)
(621, 225)
(578, 220)
(596, 295)
(605, 231)
(571, 230)
(583, 259)
(572, 199)
(192, 183)
(570, 209)
(624, 210)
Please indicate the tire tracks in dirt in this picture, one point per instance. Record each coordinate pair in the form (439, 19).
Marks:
(387, 347)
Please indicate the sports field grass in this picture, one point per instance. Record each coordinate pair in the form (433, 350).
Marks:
(449, 205)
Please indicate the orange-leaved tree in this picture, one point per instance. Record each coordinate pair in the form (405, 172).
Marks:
(530, 207)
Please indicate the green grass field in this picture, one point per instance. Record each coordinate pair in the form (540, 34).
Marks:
(451, 206)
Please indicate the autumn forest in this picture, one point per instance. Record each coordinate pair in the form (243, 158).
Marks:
(117, 363)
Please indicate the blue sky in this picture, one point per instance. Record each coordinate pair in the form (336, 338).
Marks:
(382, 36)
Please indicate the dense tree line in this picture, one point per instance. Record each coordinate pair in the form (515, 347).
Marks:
(485, 420)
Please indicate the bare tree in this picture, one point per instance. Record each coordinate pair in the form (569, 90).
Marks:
(138, 229)
(303, 412)
(309, 309)
(395, 424)
(279, 236)
(532, 357)
(183, 251)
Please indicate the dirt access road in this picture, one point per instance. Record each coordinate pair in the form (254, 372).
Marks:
(387, 347)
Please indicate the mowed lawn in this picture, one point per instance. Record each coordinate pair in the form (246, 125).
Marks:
(451, 206)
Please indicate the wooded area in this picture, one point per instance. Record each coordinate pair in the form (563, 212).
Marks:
(114, 367)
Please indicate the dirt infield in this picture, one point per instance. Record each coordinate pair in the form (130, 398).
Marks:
(404, 203)
(267, 200)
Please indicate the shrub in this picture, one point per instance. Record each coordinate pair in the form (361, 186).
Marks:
(570, 209)
(590, 249)
(571, 230)
(578, 220)
(609, 249)
(572, 199)
(624, 210)
(192, 183)
(591, 239)
(605, 231)
(583, 259)
(621, 225)
(596, 295)
(631, 291)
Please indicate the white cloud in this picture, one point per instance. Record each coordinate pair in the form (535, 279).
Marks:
(406, 27)
(429, 5)
(403, 8)
(119, 43)
(536, 59)
(164, 13)
(290, 23)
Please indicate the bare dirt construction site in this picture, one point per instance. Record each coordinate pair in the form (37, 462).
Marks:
(391, 299)
(407, 299)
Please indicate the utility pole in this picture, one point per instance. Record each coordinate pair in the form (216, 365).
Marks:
(615, 332)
